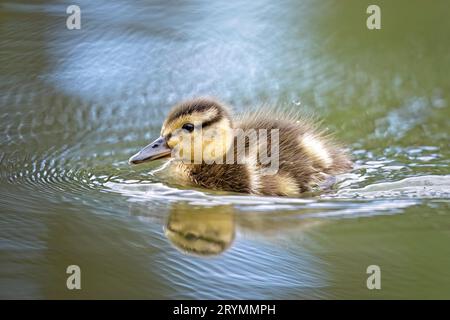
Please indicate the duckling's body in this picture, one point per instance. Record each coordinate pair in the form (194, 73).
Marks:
(305, 157)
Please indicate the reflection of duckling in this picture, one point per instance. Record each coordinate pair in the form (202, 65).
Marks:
(306, 158)
(205, 232)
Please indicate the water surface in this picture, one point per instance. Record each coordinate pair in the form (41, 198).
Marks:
(75, 104)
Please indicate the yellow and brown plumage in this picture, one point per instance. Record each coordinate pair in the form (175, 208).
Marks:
(306, 157)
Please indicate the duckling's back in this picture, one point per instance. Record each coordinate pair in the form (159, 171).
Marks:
(306, 156)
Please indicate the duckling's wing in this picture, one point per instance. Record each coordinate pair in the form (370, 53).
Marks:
(307, 154)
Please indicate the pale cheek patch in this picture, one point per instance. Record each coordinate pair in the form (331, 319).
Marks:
(316, 150)
(217, 140)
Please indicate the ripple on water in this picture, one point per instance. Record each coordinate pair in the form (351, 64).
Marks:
(413, 187)
(368, 190)
(325, 206)
(201, 278)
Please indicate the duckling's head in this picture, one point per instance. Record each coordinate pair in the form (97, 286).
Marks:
(195, 131)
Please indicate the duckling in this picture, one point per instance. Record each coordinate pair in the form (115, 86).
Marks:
(265, 152)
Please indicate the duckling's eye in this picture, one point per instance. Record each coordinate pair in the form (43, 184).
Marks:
(188, 127)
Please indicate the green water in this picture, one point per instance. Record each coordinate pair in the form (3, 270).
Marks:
(76, 104)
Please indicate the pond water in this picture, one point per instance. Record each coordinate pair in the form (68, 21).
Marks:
(76, 104)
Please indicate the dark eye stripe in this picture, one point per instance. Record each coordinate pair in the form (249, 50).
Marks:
(213, 120)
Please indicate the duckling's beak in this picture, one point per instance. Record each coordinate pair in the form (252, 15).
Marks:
(155, 150)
